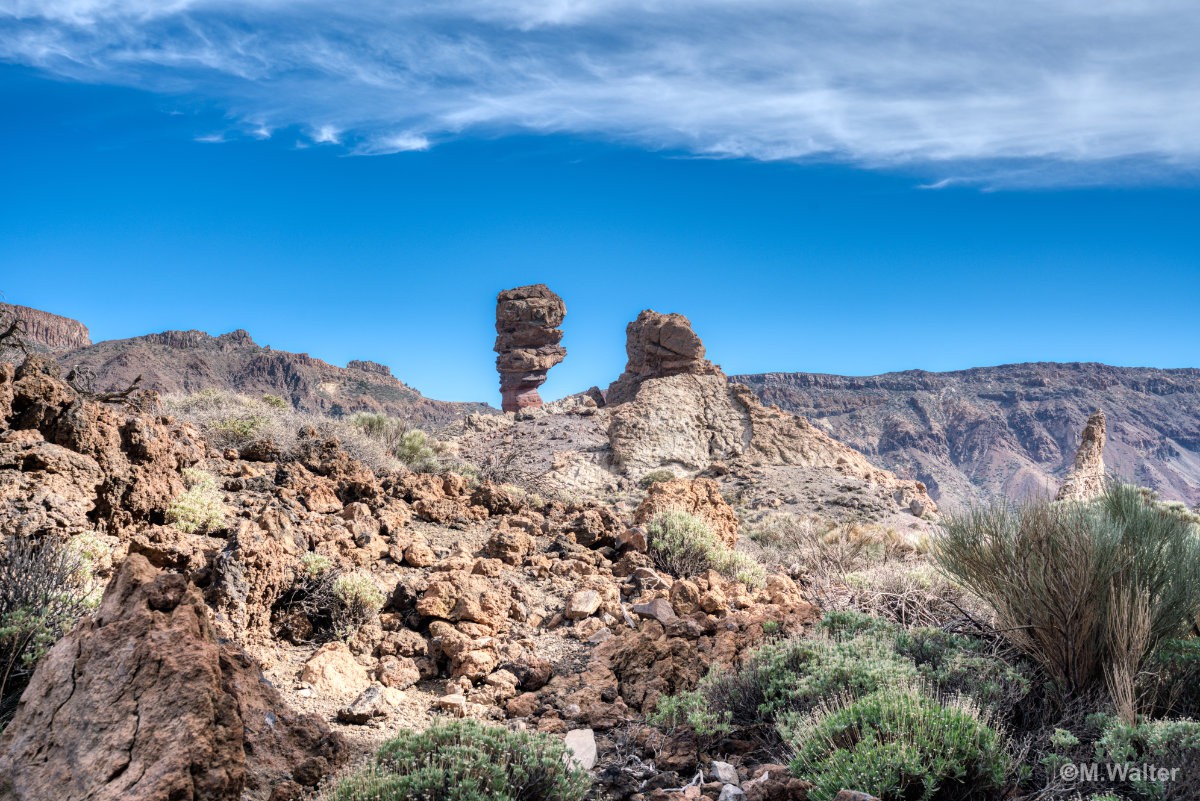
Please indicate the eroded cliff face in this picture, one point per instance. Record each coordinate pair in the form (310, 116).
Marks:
(46, 331)
(1008, 431)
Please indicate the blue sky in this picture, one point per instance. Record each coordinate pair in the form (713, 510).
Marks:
(819, 186)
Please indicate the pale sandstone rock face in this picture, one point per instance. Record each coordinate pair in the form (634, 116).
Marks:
(700, 497)
(140, 702)
(527, 337)
(1086, 479)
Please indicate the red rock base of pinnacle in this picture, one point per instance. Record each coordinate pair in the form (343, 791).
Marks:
(516, 399)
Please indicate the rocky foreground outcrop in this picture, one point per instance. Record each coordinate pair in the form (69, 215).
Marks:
(142, 703)
(527, 337)
(672, 409)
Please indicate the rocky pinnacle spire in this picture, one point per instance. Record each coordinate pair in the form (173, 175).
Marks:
(1086, 479)
(527, 337)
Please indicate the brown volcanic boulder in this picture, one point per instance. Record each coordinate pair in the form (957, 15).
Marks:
(527, 337)
(68, 462)
(140, 702)
(1086, 479)
(659, 345)
(700, 497)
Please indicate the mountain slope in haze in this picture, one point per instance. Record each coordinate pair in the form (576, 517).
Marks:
(1007, 431)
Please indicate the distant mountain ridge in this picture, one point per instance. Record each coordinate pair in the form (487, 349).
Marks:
(1006, 431)
(190, 361)
(46, 331)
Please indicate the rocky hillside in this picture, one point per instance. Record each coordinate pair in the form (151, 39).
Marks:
(1008, 431)
(44, 331)
(215, 629)
(674, 412)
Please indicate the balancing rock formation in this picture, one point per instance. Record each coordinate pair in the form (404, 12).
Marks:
(527, 337)
(1086, 479)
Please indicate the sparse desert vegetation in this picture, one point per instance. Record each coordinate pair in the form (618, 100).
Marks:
(586, 619)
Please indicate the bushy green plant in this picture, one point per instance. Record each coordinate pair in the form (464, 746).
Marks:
(44, 591)
(655, 477)
(1173, 676)
(684, 545)
(1089, 590)
(1168, 744)
(693, 710)
(314, 564)
(199, 509)
(358, 598)
(336, 604)
(411, 446)
(467, 761)
(237, 430)
(850, 655)
(275, 401)
(953, 664)
(900, 746)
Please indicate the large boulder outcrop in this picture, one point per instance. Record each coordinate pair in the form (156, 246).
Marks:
(659, 345)
(527, 337)
(68, 462)
(1086, 478)
(700, 497)
(673, 409)
(141, 702)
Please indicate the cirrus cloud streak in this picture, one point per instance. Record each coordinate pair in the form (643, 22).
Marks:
(1060, 91)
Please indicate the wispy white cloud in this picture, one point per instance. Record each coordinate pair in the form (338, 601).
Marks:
(1095, 91)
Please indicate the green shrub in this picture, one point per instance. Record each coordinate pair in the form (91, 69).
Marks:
(199, 509)
(684, 545)
(900, 746)
(850, 656)
(44, 591)
(336, 604)
(238, 430)
(314, 564)
(1174, 678)
(952, 664)
(1088, 590)
(411, 446)
(692, 710)
(467, 761)
(1168, 744)
(655, 477)
(358, 598)
(274, 401)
